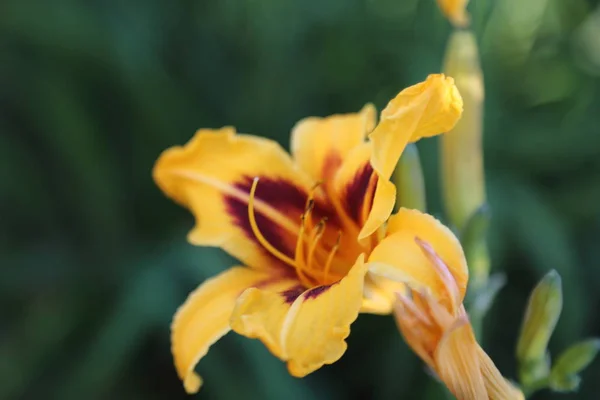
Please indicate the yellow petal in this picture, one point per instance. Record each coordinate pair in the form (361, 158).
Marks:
(204, 318)
(379, 294)
(381, 208)
(399, 257)
(455, 11)
(423, 110)
(212, 176)
(497, 386)
(319, 145)
(261, 314)
(457, 363)
(307, 329)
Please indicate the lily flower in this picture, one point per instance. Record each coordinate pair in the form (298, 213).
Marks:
(300, 225)
(434, 323)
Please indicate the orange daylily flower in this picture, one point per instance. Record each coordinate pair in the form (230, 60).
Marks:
(302, 226)
(434, 323)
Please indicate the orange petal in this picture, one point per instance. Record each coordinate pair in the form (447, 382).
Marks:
(400, 258)
(457, 363)
(204, 318)
(307, 329)
(497, 386)
(426, 109)
(417, 328)
(212, 175)
(319, 145)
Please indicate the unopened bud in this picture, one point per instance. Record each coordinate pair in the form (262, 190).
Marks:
(568, 383)
(461, 150)
(463, 179)
(542, 313)
(409, 181)
(571, 362)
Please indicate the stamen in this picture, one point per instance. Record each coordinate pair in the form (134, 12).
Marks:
(315, 187)
(299, 255)
(262, 240)
(345, 219)
(317, 235)
(310, 204)
(330, 257)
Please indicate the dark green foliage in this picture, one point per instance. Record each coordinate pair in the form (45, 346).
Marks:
(94, 259)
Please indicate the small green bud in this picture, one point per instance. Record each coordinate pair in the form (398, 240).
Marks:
(571, 362)
(409, 181)
(542, 313)
(564, 384)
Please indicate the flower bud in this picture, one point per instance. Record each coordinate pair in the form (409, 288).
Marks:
(572, 361)
(569, 383)
(463, 180)
(461, 150)
(409, 181)
(543, 309)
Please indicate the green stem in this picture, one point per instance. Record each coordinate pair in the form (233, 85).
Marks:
(479, 17)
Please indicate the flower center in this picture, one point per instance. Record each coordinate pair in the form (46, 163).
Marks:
(317, 245)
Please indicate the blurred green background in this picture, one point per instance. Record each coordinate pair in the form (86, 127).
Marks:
(94, 259)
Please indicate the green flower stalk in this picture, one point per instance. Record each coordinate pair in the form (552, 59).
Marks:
(463, 180)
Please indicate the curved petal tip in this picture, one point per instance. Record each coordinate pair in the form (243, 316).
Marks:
(192, 382)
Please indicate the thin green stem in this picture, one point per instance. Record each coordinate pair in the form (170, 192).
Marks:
(479, 16)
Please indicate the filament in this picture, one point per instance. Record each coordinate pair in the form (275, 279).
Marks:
(310, 204)
(299, 261)
(262, 240)
(306, 247)
(330, 257)
(318, 234)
